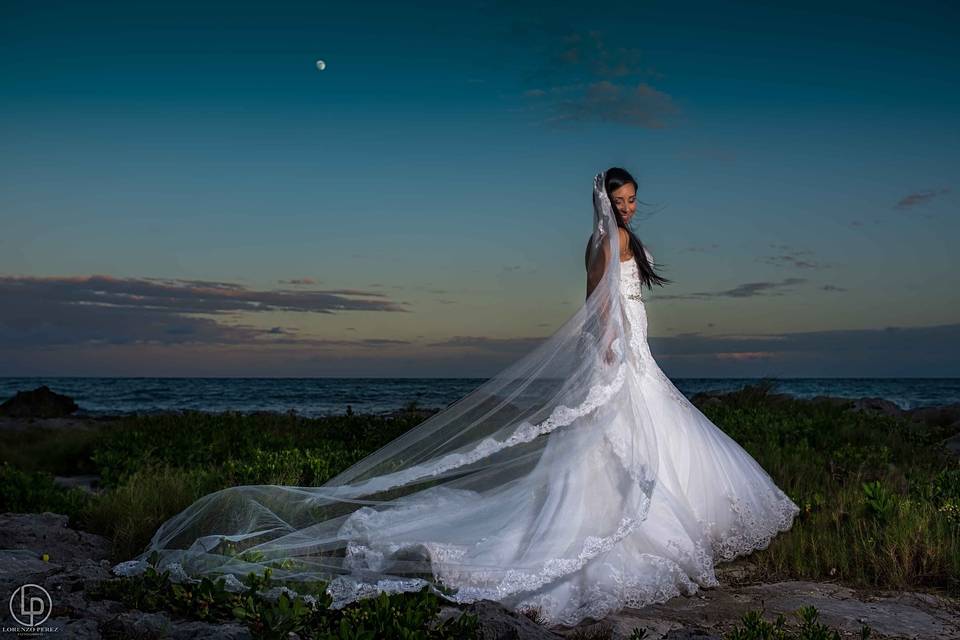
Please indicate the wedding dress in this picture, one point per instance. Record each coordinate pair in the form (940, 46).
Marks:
(567, 483)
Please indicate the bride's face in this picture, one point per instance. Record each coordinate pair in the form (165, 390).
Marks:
(625, 200)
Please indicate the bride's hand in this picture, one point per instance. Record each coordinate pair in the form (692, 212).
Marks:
(609, 357)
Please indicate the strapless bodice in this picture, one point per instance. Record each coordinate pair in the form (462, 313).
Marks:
(630, 280)
(636, 313)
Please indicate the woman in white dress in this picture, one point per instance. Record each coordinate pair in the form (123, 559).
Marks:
(577, 481)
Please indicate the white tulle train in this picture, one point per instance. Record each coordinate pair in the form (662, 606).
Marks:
(604, 525)
(578, 481)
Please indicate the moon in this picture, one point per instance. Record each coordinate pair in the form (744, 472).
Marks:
(321, 65)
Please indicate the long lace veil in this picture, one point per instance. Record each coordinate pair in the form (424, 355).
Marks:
(470, 499)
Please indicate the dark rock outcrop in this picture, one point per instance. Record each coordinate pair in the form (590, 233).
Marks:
(38, 403)
(877, 405)
(50, 533)
(947, 415)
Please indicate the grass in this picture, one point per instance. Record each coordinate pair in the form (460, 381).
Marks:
(55, 451)
(878, 496)
(880, 500)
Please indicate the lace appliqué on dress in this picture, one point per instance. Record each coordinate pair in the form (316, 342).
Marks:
(636, 313)
(473, 584)
(753, 531)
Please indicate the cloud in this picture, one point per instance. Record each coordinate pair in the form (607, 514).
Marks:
(581, 78)
(381, 342)
(789, 261)
(918, 198)
(47, 311)
(887, 351)
(587, 54)
(791, 258)
(604, 101)
(489, 344)
(110, 326)
(745, 290)
(297, 281)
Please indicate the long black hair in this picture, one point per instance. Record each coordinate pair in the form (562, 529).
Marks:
(614, 178)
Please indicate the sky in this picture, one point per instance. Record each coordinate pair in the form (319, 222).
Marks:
(183, 192)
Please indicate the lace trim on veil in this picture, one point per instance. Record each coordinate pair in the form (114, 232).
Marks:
(561, 416)
(345, 589)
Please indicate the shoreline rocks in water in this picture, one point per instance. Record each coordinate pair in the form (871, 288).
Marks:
(42, 403)
(38, 403)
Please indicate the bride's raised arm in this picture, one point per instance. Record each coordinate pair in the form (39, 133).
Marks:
(596, 270)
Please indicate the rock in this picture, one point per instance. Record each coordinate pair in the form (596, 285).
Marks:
(85, 629)
(877, 405)
(781, 397)
(718, 610)
(499, 623)
(952, 444)
(691, 634)
(939, 416)
(832, 400)
(81, 563)
(740, 571)
(76, 606)
(88, 483)
(24, 563)
(75, 559)
(20, 566)
(137, 624)
(204, 630)
(49, 533)
(72, 423)
(78, 576)
(840, 607)
(38, 403)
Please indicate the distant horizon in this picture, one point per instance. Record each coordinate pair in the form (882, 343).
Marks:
(316, 396)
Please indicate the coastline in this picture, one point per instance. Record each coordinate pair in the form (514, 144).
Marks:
(935, 414)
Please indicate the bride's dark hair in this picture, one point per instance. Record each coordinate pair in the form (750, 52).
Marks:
(614, 178)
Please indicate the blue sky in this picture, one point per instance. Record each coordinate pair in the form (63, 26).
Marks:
(183, 192)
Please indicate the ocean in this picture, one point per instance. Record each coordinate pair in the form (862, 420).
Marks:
(314, 397)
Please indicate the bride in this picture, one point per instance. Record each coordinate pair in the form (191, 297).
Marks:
(578, 481)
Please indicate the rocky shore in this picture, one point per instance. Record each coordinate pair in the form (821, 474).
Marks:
(76, 562)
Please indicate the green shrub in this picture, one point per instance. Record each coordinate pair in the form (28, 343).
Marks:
(397, 616)
(879, 503)
(36, 492)
(754, 627)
